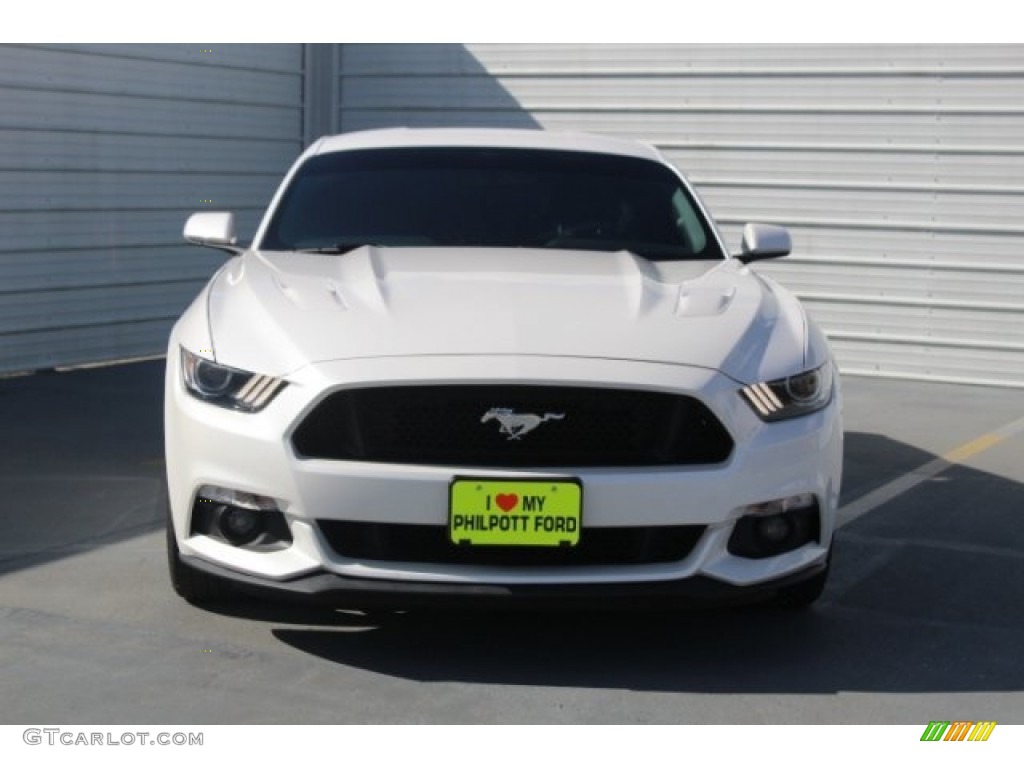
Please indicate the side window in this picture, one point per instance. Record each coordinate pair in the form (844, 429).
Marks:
(688, 222)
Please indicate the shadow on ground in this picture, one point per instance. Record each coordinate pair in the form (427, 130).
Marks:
(81, 463)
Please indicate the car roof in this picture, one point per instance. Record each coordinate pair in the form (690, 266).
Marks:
(483, 137)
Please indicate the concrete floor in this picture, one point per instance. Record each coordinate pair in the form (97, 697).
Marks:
(922, 620)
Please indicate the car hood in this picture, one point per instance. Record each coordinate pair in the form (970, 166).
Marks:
(274, 312)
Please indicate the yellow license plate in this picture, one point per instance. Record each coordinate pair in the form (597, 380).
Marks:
(524, 513)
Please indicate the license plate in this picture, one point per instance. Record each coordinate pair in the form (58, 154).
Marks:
(523, 513)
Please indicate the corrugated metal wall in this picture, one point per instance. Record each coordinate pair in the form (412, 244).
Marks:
(104, 151)
(899, 169)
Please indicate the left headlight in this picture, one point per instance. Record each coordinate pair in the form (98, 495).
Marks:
(792, 396)
(227, 387)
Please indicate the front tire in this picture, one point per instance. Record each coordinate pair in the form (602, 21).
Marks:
(798, 597)
(190, 583)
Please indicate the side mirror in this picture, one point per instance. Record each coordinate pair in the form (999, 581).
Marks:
(214, 229)
(764, 241)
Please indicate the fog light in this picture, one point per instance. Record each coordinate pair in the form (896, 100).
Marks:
(773, 527)
(240, 526)
(239, 518)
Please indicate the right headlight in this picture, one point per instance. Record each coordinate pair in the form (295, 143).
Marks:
(227, 387)
(792, 396)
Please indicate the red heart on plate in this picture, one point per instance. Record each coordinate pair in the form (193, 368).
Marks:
(507, 501)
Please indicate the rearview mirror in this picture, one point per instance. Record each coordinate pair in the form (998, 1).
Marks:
(764, 241)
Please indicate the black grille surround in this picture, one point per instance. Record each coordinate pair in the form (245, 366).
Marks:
(448, 425)
(401, 542)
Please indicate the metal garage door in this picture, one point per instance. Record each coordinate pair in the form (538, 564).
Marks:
(104, 150)
(899, 169)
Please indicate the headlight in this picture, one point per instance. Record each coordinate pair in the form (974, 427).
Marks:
(227, 387)
(792, 396)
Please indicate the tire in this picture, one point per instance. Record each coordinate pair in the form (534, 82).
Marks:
(798, 597)
(191, 584)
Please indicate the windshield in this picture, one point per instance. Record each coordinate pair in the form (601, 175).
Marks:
(495, 198)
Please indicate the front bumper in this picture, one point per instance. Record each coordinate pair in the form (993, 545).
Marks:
(207, 445)
(339, 591)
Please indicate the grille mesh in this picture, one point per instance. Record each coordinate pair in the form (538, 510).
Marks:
(448, 425)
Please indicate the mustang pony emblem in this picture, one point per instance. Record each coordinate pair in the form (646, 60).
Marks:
(515, 425)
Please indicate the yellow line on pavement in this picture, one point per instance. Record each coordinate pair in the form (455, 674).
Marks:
(900, 485)
(972, 448)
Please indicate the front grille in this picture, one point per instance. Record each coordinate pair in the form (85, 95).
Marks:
(466, 426)
(392, 542)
